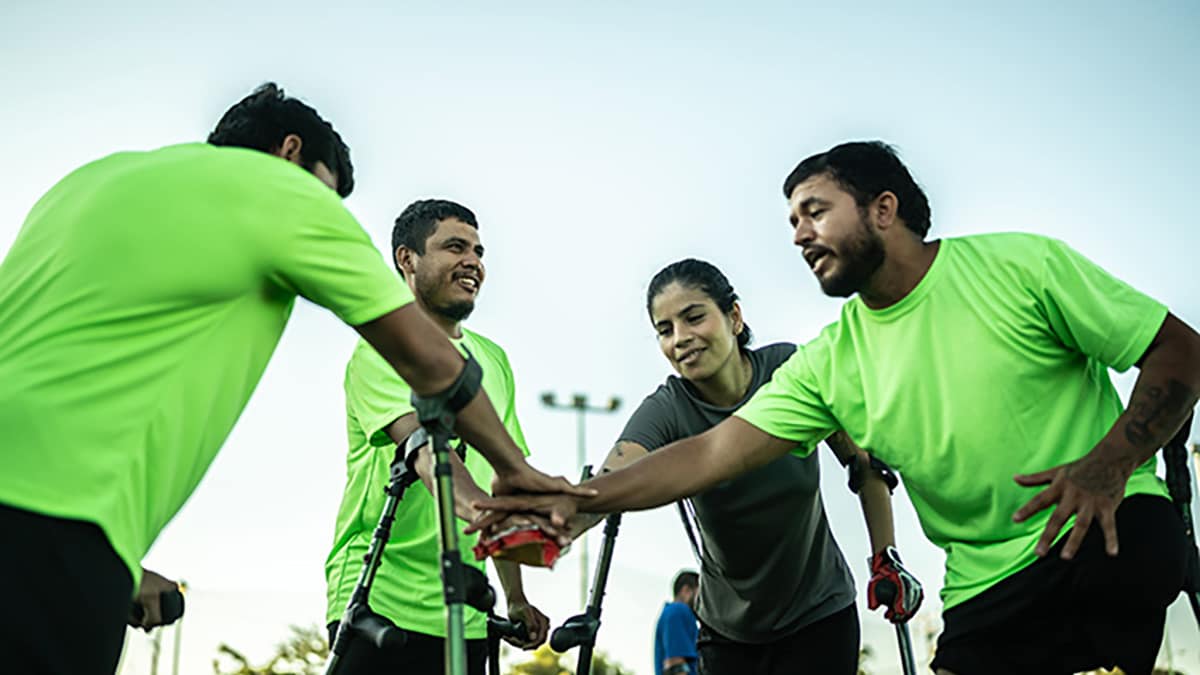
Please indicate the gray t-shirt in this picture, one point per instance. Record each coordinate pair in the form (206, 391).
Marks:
(770, 565)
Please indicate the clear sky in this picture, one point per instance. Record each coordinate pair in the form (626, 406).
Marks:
(598, 143)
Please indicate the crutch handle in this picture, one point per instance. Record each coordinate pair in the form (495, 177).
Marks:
(509, 628)
(577, 630)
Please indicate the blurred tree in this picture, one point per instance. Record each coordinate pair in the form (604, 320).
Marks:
(546, 661)
(303, 653)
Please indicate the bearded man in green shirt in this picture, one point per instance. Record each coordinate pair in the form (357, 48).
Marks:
(977, 368)
(438, 252)
(139, 306)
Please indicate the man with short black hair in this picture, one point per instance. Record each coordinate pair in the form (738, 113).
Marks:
(975, 367)
(676, 632)
(438, 252)
(139, 306)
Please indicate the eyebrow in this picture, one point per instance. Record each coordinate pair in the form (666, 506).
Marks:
(685, 310)
(807, 205)
(459, 240)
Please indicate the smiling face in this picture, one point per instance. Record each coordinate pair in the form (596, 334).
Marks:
(839, 243)
(697, 338)
(448, 275)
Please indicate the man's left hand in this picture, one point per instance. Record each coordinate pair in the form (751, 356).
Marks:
(1090, 488)
(537, 625)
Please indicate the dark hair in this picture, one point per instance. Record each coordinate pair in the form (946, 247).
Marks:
(418, 220)
(704, 277)
(685, 579)
(264, 118)
(866, 169)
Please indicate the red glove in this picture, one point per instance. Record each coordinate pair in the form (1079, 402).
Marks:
(893, 587)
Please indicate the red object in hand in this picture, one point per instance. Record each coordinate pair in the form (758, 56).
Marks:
(524, 544)
(893, 587)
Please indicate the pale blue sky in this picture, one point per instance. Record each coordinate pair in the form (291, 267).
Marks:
(598, 143)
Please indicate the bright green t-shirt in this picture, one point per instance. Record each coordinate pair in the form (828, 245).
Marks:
(408, 587)
(996, 364)
(140, 304)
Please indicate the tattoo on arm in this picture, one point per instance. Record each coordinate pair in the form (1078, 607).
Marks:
(1157, 408)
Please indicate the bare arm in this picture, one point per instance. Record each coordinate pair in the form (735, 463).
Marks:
(429, 363)
(466, 492)
(681, 469)
(537, 624)
(622, 455)
(1092, 487)
(874, 495)
(420, 353)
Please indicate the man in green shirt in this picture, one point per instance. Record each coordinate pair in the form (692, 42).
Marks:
(976, 367)
(438, 252)
(139, 305)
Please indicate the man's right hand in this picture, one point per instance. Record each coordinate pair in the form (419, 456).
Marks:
(525, 479)
(559, 508)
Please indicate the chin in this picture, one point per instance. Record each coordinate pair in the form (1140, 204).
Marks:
(837, 287)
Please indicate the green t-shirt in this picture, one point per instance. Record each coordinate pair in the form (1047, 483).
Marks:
(994, 365)
(140, 304)
(408, 587)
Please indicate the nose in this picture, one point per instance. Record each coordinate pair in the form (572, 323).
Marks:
(803, 234)
(681, 337)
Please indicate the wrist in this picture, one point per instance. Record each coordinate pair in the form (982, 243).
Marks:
(1122, 458)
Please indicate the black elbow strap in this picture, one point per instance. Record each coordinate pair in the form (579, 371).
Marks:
(858, 474)
(454, 398)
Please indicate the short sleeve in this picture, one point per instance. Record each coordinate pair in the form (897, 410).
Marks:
(328, 258)
(680, 633)
(1093, 312)
(790, 405)
(375, 394)
(651, 425)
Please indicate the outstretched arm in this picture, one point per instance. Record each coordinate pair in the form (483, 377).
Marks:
(681, 469)
(1092, 487)
(420, 353)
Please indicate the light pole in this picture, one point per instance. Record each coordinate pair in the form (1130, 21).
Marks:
(579, 403)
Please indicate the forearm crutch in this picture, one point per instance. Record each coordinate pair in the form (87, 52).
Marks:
(580, 630)
(359, 621)
(1179, 485)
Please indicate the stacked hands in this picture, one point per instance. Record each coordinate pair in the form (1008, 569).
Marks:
(528, 521)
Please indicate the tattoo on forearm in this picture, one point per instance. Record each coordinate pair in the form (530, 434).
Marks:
(1155, 412)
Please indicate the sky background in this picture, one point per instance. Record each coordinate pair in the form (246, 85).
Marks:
(598, 143)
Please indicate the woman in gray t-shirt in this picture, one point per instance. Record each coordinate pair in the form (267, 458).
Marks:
(775, 595)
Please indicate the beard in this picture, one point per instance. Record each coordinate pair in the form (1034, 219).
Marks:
(859, 259)
(454, 310)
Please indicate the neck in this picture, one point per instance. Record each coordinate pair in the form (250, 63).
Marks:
(899, 274)
(729, 384)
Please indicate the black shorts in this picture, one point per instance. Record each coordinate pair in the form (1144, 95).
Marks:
(1058, 616)
(421, 654)
(67, 596)
(826, 647)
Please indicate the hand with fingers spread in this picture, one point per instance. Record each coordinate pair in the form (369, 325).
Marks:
(1090, 488)
(557, 508)
(512, 521)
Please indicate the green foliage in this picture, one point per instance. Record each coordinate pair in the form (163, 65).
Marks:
(546, 661)
(303, 653)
